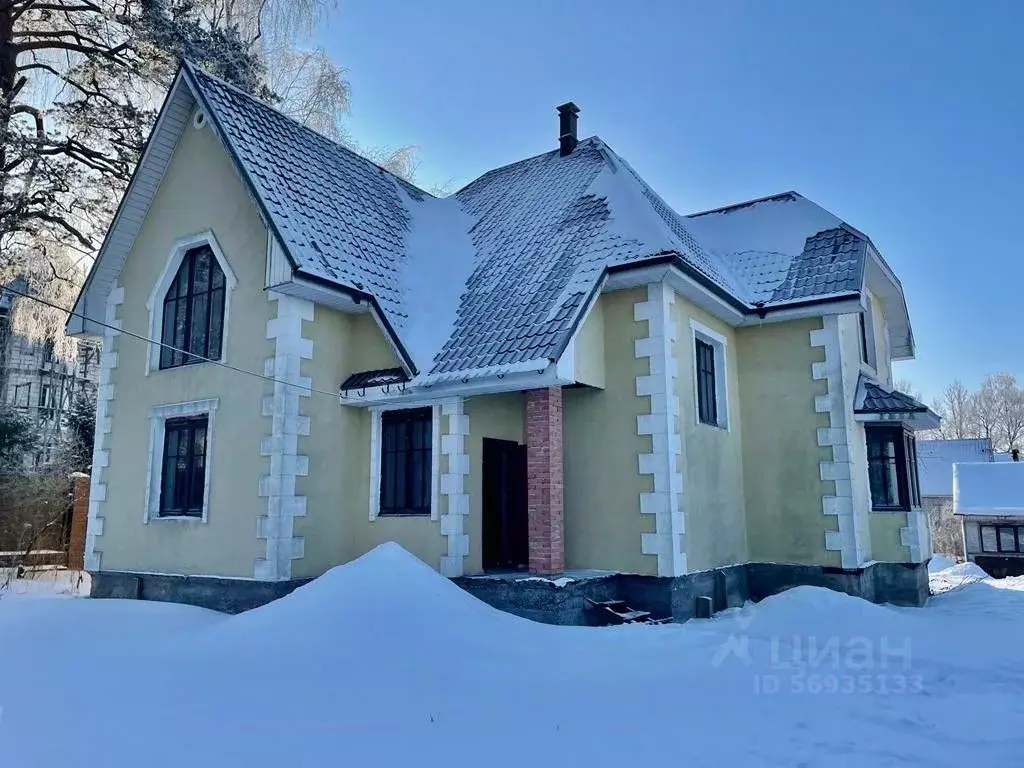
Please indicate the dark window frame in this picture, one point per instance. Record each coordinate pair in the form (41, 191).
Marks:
(998, 528)
(183, 491)
(406, 462)
(903, 463)
(864, 340)
(707, 382)
(192, 319)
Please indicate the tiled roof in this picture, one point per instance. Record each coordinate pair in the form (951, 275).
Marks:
(378, 378)
(494, 278)
(784, 248)
(873, 397)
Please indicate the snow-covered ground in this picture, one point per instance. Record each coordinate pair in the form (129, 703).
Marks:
(383, 662)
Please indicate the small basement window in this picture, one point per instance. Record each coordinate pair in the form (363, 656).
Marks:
(406, 461)
(892, 468)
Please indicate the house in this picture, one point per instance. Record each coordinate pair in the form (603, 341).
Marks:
(40, 383)
(550, 371)
(935, 460)
(988, 499)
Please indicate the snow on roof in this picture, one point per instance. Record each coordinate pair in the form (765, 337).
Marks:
(494, 279)
(935, 459)
(783, 247)
(988, 489)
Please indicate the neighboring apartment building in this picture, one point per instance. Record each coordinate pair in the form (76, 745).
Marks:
(550, 370)
(41, 385)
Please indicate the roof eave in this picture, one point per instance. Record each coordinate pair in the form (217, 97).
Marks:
(268, 220)
(79, 320)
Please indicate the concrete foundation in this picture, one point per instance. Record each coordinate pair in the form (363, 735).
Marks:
(542, 600)
(224, 595)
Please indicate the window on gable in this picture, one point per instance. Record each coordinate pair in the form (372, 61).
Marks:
(193, 320)
(406, 462)
(892, 468)
(183, 479)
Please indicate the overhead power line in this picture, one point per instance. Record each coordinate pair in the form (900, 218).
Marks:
(163, 345)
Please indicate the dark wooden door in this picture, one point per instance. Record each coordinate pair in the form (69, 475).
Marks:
(504, 505)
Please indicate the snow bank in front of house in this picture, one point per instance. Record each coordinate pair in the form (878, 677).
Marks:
(43, 582)
(955, 576)
(940, 563)
(384, 662)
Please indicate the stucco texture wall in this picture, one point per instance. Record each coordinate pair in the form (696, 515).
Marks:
(602, 480)
(336, 527)
(199, 192)
(713, 497)
(781, 456)
(885, 537)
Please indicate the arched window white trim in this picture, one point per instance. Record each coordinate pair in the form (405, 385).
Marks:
(155, 302)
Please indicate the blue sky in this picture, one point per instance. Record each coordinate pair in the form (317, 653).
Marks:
(904, 118)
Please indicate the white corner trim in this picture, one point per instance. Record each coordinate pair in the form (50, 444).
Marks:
(100, 451)
(917, 535)
(453, 486)
(158, 416)
(155, 301)
(287, 425)
(837, 436)
(435, 453)
(720, 344)
(663, 464)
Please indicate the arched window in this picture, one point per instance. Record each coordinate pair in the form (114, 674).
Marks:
(194, 311)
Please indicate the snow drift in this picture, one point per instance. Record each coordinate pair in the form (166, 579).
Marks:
(384, 662)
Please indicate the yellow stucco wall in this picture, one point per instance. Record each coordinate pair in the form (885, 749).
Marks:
(781, 456)
(338, 446)
(603, 524)
(589, 351)
(496, 416)
(885, 536)
(199, 192)
(713, 498)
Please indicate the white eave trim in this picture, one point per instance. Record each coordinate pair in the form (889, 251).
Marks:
(175, 115)
(413, 393)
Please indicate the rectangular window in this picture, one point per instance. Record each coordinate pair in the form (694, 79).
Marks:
(1001, 538)
(892, 468)
(989, 540)
(406, 462)
(867, 334)
(707, 399)
(183, 471)
(863, 339)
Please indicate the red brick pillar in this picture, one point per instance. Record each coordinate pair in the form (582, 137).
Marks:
(79, 519)
(544, 479)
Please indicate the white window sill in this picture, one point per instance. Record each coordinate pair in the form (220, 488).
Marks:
(180, 518)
